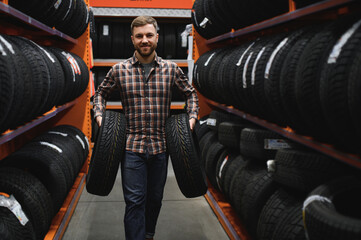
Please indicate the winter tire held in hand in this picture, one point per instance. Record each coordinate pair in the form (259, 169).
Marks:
(184, 152)
(108, 152)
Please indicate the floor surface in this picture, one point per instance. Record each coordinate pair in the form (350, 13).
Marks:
(101, 218)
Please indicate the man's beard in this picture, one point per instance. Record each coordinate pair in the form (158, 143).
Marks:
(148, 53)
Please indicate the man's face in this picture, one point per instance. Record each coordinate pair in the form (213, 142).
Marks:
(145, 39)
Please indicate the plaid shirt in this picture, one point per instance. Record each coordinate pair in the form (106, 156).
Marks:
(146, 101)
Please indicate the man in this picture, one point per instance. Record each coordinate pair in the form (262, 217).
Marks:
(145, 82)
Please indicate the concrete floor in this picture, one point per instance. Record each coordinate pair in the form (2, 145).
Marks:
(101, 218)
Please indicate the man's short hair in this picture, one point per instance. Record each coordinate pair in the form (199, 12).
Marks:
(143, 20)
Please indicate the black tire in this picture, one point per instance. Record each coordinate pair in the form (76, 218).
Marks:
(67, 153)
(76, 22)
(256, 74)
(183, 148)
(105, 40)
(201, 127)
(288, 83)
(334, 89)
(84, 75)
(170, 42)
(197, 17)
(250, 76)
(44, 163)
(208, 138)
(235, 66)
(273, 72)
(108, 152)
(257, 189)
(229, 134)
(217, 117)
(228, 171)
(226, 158)
(32, 196)
(239, 183)
(81, 140)
(354, 95)
(57, 12)
(54, 86)
(214, 76)
(6, 84)
(69, 75)
(331, 211)
(308, 78)
(129, 47)
(215, 153)
(40, 73)
(12, 229)
(291, 224)
(118, 40)
(275, 210)
(304, 169)
(261, 144)
(30, 67)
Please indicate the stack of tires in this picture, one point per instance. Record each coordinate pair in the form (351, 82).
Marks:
(69, 16)
(35, 180)
(113, 40)
(211, 18)
(36, 78)
(306, 79)
(264, 177)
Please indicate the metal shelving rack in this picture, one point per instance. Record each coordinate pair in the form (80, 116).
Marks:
(75, 113)
(295, 16)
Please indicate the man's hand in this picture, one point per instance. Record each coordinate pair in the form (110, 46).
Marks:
(98, 119)
(192, 123)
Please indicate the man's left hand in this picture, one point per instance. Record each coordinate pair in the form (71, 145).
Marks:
(192, 123)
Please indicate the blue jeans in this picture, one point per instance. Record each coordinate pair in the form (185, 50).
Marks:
(143, 180)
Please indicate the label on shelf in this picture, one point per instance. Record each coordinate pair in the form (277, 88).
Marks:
(14, 206)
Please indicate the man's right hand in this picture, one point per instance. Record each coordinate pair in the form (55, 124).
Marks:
(98, 119)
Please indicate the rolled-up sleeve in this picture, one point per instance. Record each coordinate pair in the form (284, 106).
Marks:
(189, 92)
(103, 92)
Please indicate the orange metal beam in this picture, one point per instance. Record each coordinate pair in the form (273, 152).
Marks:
(182, 4)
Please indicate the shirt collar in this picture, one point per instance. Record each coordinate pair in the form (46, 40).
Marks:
(134, 60)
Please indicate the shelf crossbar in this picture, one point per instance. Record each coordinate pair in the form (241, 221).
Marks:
(12, 134)
(311, 9)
